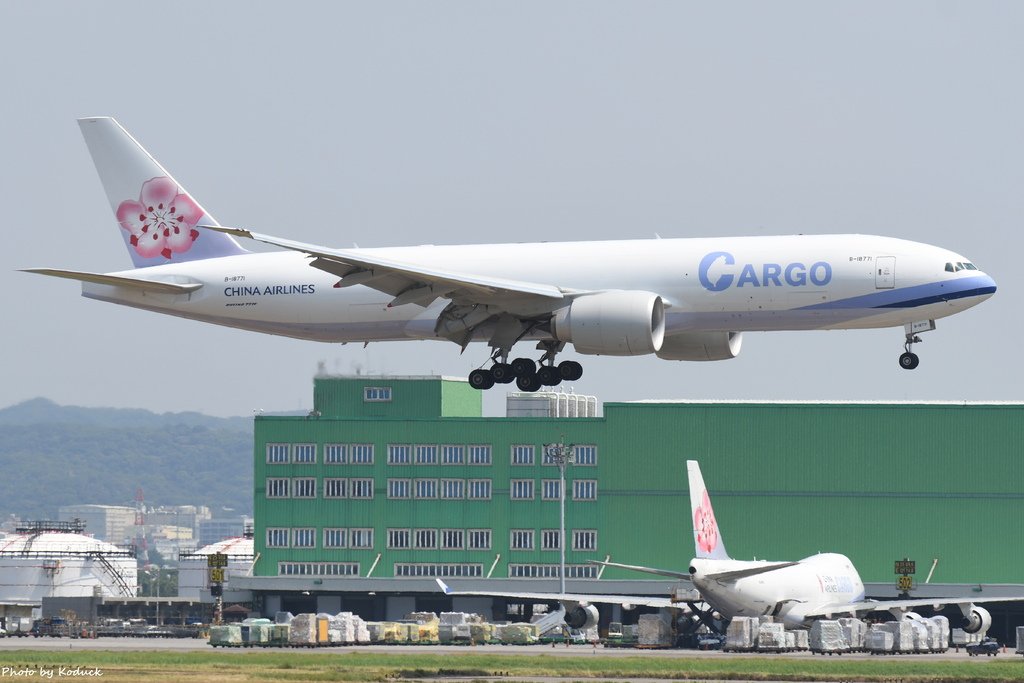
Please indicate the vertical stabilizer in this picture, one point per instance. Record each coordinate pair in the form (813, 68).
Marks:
(158, 217)
(707, 539)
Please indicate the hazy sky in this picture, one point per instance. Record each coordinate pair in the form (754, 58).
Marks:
(405, 123)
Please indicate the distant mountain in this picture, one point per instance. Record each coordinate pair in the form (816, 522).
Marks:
(45, 411)
(55, 455)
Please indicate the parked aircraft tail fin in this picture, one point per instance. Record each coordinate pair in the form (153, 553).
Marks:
(707, 539)
(158, 217)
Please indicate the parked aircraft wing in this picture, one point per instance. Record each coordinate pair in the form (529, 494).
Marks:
(647, 570)
(407, 282)
(583, 598)
(856, 608)
(159, 287)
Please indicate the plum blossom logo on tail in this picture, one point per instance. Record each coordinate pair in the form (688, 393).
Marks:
(163, 221)
(705, 525)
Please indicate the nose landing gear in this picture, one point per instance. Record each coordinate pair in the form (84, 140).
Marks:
(909, 359)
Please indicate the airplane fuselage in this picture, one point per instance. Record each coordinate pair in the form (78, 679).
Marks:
(708, 284)
(823, 582)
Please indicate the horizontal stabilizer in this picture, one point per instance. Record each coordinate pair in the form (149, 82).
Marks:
(750, 571)
(647, 570)
(119, 281)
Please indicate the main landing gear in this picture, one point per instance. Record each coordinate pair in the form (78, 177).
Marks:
(909, 359)
(525, 372)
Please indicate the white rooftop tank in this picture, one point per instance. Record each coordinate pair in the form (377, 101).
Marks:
(193, 570)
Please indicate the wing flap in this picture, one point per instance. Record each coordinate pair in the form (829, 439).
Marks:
(118, 281)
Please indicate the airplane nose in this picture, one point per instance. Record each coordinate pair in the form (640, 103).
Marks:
(988, 285)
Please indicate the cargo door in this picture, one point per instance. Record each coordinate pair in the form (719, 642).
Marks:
(885, 272)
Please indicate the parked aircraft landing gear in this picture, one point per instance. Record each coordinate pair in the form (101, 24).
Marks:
(909, 359)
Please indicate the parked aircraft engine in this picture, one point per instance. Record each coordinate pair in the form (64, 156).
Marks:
(701, 346)
(977, 619)
(580, 616)
(613, 323)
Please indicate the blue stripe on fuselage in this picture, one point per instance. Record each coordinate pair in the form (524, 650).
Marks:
(918, 295)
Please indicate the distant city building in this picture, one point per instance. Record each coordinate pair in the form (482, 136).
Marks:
(111, 523)
(220, 528)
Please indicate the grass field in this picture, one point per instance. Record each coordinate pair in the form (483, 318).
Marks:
(158, 667)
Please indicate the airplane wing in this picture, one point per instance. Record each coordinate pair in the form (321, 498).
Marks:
(647, 570)
(407, 282)
(159, 287)
(633, 600)
(867, 606)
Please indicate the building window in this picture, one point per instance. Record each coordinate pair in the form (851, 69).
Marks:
(399, 454)
(425, 488)
(426, 539)
(453, 539)
(304, 487)
(398, 539)
(318, 568)
(335, 453)
(479, 455)
(550, 571)
(521, 539)
(362, 454)
(479, 489)
(398, 488)
(453, 488)
(584, 489)
(479, 539)
(277, 453)
(521, 489)
(277, 487)
(452, 455)
(412, 569)
(335, 488)
(551, 489)
(584, 539)
(360, 538)
(549, 539)
(361, 488)
(335, 538)
(305, 452)
(522, 455)
(426, 455)
(304, 538)
(376, 393)
(585, 455)
(277, 538)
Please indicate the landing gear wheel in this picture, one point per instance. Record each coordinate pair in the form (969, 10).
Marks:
(570, 370)
(909, 361)
(481, 379)
(549, 376)
(503, 373)
(523, 367)
(528, 382)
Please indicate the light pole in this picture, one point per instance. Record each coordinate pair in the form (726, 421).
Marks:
(158, 569)
(561, 454)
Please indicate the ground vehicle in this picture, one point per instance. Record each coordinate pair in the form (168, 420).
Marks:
(988, 646)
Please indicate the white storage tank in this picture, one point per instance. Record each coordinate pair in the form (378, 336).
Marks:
(194, 571)
(54, 559)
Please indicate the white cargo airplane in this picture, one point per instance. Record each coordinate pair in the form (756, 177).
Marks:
(823, 586)
(680, 299)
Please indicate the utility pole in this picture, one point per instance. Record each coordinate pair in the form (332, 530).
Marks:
(562, 455)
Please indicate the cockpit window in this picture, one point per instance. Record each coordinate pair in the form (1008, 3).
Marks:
(970, 266)
(950, 268)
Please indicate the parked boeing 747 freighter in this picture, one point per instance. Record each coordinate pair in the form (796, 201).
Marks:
(680, 299)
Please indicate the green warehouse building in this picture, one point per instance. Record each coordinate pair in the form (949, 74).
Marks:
(392, 481)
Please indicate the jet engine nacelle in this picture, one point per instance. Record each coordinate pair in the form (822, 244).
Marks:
(581, 617)
(612, 323)
(977, 619)
(701, 346)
